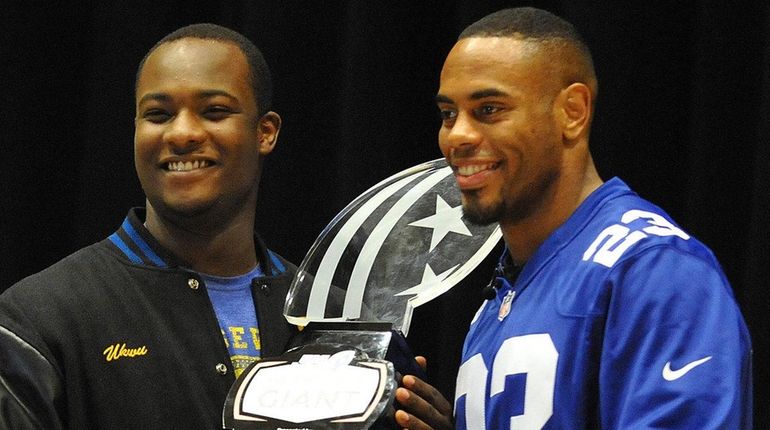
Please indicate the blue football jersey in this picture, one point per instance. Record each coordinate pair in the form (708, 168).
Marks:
(620, 320)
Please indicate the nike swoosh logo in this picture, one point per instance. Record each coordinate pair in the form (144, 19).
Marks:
(673, 375)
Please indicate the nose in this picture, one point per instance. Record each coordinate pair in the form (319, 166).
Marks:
(463, 133)
(185, 131)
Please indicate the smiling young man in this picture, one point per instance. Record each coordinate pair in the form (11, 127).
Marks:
(604, 313)
(150, 327)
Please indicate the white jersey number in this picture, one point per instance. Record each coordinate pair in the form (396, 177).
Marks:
(617, 238)
(534, 355)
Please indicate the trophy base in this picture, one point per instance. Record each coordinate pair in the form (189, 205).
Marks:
(335, 375)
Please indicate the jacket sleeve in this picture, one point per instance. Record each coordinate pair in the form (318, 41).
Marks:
(30, 386)
(676, 352)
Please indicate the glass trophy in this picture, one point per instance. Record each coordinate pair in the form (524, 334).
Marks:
(397, 246)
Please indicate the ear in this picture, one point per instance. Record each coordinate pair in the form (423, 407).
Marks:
(575, 104)
(268, 127)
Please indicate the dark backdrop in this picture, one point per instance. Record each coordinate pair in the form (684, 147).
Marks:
(683, 116)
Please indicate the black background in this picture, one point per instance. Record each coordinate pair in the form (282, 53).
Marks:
(683, 116)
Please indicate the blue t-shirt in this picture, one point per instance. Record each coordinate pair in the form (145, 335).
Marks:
(234, 307)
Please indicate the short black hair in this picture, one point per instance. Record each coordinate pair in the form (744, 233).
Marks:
(261, 80)
(524, 22)
(543, 28)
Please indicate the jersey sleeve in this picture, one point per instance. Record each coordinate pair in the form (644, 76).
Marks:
(676, 350)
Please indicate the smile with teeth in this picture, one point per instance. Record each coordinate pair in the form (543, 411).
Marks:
(186, 166)
(472, 169)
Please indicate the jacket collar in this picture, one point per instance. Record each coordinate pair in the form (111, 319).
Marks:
(136, 243)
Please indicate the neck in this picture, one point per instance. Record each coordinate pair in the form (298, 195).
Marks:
(523, 237)
(225, 248)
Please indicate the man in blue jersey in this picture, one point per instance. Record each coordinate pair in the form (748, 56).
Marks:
(603, 313)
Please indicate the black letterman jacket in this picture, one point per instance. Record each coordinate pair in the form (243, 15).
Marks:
(118, 336)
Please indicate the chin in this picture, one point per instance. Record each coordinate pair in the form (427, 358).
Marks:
(183, 209)
(478, 213)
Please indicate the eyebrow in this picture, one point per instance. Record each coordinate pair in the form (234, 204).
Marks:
(476, 95)
(154, 96)
(488, 92)
(205, 94)
(214, 93)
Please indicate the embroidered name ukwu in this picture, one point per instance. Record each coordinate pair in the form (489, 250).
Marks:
(113, 352)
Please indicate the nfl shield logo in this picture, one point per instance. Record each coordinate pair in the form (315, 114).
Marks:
(505, 307)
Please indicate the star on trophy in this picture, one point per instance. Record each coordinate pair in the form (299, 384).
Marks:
(397, 246)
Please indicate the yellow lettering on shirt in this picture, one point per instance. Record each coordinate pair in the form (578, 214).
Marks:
(241, 362)
(237, 334)
(255, 338)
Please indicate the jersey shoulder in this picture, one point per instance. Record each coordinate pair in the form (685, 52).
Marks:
(624, 225)
(616, 233)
